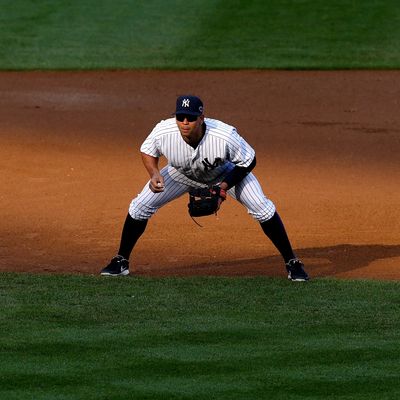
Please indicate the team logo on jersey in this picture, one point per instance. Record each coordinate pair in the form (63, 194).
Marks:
(185, 103)
(208, 166)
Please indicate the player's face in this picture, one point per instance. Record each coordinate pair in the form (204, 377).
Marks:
(190, 126)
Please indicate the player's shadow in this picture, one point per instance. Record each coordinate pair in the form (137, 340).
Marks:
(321, 261)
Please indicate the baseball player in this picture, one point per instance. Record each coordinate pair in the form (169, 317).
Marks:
(201, 153)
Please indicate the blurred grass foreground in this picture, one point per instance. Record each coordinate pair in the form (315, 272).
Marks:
(84, 337)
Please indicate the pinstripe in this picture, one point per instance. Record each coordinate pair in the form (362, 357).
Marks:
(249, 193)
(220, 149)
(147, 202)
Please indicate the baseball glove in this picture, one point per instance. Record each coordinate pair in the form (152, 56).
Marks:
(205, 201)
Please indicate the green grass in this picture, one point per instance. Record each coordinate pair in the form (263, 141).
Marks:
(84, 337)
(206, 34)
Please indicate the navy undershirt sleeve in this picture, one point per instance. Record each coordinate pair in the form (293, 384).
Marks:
(238, 173)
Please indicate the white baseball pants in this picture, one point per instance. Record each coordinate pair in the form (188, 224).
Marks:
(248, 192)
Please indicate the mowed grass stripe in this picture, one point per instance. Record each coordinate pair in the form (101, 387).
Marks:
(70, 337)
(206, 34)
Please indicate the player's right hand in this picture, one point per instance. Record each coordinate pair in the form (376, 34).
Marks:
(156, 184)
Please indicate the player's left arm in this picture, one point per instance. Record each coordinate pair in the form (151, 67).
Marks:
(240, 153)
(237, 174)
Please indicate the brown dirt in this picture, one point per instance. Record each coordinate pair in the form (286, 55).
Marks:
(327, 144)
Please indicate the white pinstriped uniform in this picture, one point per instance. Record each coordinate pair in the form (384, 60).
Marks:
(220, 149)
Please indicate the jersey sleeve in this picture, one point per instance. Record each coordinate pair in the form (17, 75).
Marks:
(239, 151)
(151, 145)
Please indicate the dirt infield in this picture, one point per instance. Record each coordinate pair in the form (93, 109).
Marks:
(327, 144)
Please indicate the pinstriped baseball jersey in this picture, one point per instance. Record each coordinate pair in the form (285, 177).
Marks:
(220, 149)
(217, 153)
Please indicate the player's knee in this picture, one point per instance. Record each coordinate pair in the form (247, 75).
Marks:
(264, 213)
(140, 211)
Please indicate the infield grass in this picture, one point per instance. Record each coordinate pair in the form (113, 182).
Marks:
(84, 337)
(206, 34)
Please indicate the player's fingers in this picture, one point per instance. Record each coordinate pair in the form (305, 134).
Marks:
(156, 185)
(160, 182)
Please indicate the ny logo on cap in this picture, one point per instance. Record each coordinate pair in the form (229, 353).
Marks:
(185, 102)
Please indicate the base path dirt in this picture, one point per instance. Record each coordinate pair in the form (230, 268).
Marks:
(327, 145)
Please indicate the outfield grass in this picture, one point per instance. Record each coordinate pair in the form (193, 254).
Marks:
(83, 337)
(206, 34)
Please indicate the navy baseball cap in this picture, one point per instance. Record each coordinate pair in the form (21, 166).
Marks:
(189, 105)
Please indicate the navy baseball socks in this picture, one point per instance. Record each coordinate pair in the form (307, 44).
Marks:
(273, 228)
(276, 232)
(131, 232)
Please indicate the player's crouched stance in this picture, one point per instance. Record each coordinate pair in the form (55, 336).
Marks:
(202, 153)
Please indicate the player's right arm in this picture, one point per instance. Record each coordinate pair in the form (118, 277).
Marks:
(156, 184)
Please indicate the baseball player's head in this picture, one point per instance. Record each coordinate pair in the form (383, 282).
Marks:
(189, 115)
(189, 105)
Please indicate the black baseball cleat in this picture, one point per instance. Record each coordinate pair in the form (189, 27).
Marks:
(119, 266)
(295, 269)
